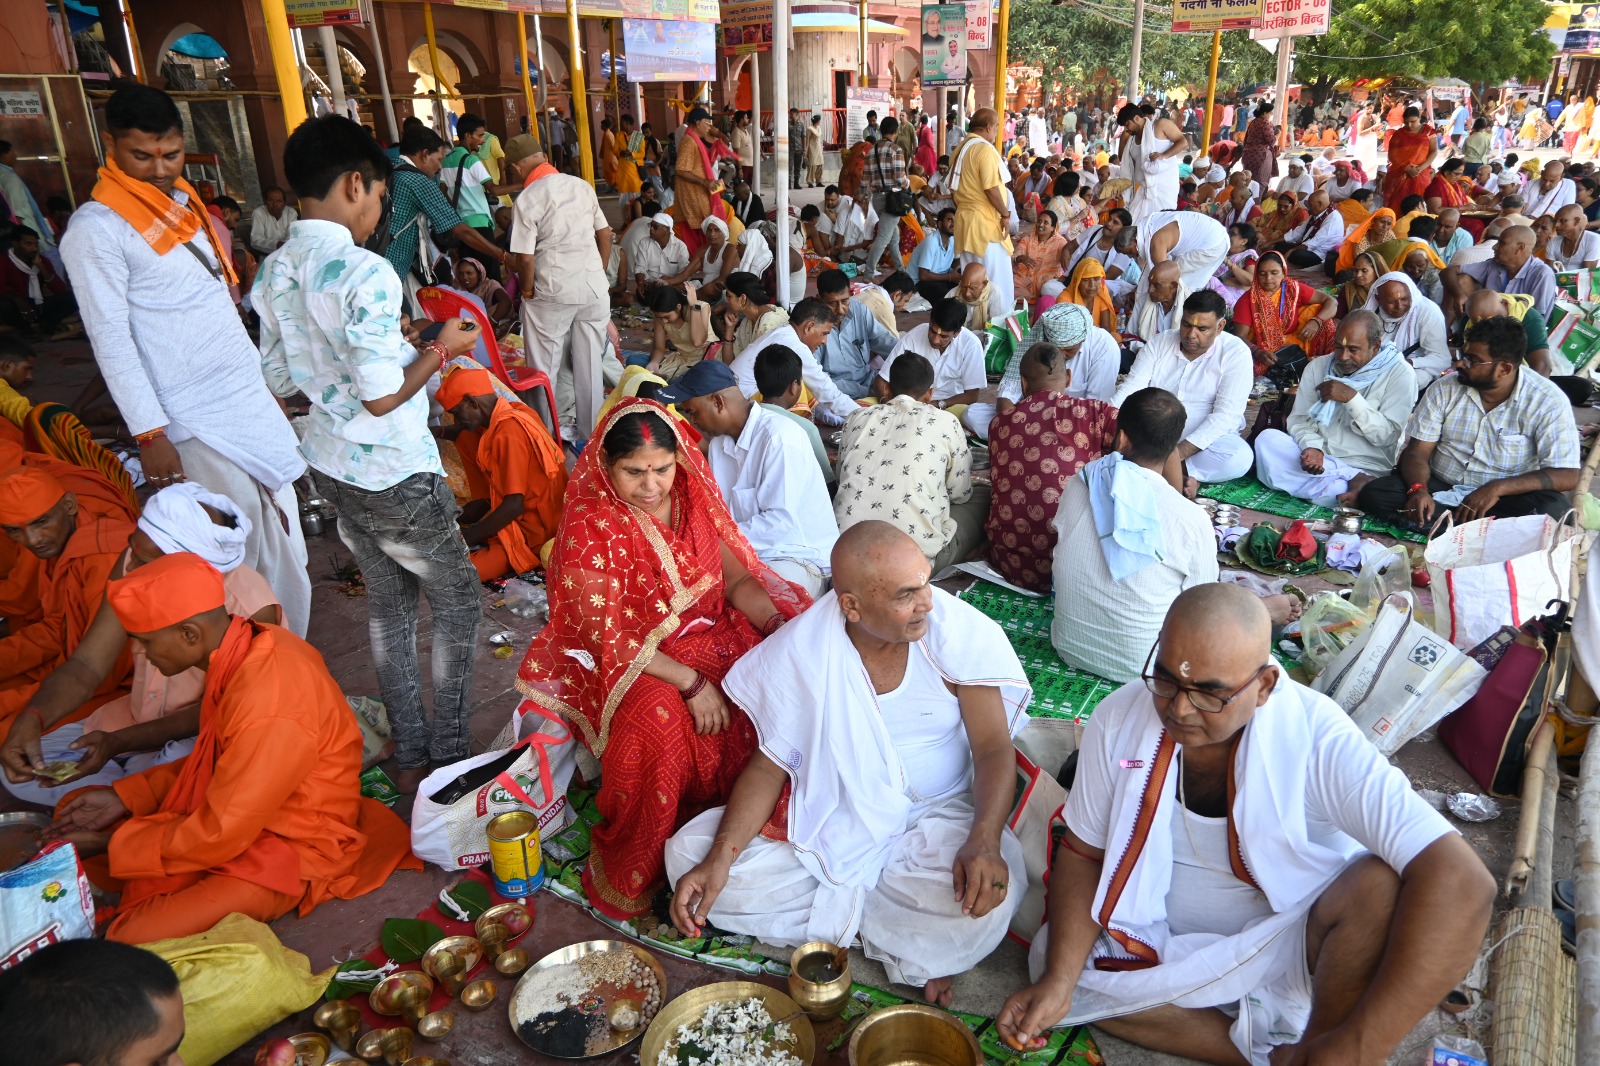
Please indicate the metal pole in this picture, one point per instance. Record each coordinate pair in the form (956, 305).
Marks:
(330, 59)
(281, 44)
(1285, 52)
(383, 77)
(755, 121)
(781, 43)
(580, 95)
(1211, 90)
(433, 63)
(541, 128)
(1002, 60)
(616, 97)
(1138, 46)
(133, 38)
(527, 78)
(861, 47)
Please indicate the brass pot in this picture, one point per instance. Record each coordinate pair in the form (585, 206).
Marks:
(913, 1032)
(819, 978)
(396, 1045)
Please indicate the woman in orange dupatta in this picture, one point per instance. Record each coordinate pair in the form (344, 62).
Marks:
(1279, 311)
(1087, 287)
(1287, 214)
(1411, 152)
(654, 595)
(1449, 188)
(1038, 258)
(1378, 228)
(697, 192)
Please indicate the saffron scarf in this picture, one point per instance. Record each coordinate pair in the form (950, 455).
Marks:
(543, 170)
(159, 219)
(1357, 241)
(1101, 304)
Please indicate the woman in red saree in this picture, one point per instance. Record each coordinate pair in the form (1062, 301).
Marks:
(697, 192)
(1411, 151)
(1450, 187)
(1279, 311)
(1260, 156)
(654, 594)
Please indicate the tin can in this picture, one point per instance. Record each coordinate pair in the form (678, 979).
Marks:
(514, 856)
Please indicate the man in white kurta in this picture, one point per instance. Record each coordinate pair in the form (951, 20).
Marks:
(1242, 870)
(888, 708)
(1348, 418)
(1210, 372)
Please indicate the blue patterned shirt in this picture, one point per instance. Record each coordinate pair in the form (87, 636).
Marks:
(330, 328)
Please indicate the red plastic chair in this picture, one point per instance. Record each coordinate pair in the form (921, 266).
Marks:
(440, 304)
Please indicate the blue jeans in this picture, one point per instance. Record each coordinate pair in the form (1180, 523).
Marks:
(405, 540)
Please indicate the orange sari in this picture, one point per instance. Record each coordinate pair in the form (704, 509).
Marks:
(624, 586)
(1407, 149)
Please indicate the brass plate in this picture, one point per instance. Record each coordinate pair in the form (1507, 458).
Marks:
(691, 1006)
(572, 954)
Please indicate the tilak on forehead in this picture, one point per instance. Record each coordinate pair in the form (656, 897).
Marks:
(1183, 668)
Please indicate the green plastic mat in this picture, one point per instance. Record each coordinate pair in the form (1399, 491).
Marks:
(1059, 690)
(1248, 492)
(566, 852)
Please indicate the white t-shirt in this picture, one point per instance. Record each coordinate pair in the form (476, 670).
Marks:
(1588, 251)
(923, 718)
(955, 370)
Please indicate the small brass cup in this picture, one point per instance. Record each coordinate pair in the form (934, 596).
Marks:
(437, 1025)
(512, 962)
(819, 979)
(341, 1021)
(370, 1046)
(451, 960)
(310, 1049)
(479, 994)
(494, 936)
(396, 1045)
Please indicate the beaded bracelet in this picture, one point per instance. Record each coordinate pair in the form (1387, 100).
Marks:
(772, 625)
(694, 689)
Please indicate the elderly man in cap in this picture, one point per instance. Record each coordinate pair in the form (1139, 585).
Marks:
(157, 721)
(662, 260)
(766, 470)
(266, 815)
(562, 241)
(1242, 877)
(77, 548)
(515, 471)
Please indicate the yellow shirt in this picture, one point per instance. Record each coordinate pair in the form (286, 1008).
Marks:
(13, 405)
(978, 224)
(493, 156)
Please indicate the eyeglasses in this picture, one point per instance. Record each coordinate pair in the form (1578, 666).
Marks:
(1464, 361)
(1164, 688)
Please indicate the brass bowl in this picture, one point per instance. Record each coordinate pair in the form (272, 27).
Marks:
(452, 959)
(396, 1045)
(819, 979)
(370, 1046)
(424, 1060)
(404, 994)
(1347, 520)
(512, 962)
(310, 1049)
(436, 1026)
(515, 917)
(480, 994)
(913, 1032)
(688, 1008)
(342, 1021)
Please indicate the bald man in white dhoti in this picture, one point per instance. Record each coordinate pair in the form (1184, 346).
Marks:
(1241, 870)
(885, 714)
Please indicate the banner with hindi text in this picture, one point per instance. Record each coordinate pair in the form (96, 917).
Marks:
(1293, 18)
(1206, 16)
(944, 44)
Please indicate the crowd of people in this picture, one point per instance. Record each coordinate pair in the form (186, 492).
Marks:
(770, 488)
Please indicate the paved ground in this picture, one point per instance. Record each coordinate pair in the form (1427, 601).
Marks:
(343, 929)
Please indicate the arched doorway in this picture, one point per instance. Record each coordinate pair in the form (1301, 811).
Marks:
(420, 63)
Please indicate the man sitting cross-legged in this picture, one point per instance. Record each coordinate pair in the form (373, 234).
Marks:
(1495, 439)
(512, 461)
(1243, 879)
(885, 715)
(266, 814)
(1347, 421)
(1210, 371)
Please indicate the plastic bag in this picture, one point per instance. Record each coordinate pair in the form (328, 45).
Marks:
(1381, 578)
(43, 901)
(1329, 624)
(526, 600)
(237, 979)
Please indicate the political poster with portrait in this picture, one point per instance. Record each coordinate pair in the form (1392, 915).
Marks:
(944, 44)
(1583, 29)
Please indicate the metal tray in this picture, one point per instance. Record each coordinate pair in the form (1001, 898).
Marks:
(21, 831)
(571, 954)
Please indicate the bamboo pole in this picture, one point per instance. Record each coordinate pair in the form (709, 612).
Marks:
(580, 93)
(1002, 59)
(433, 64)
(1525, 854)
(527, 77)
(1587, 872)
(1211, 90)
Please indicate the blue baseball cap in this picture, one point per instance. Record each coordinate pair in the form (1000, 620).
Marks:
(704, 378)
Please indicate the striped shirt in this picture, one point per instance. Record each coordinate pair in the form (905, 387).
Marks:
(886, 167)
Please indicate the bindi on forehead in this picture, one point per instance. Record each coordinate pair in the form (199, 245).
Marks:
(1184, 669)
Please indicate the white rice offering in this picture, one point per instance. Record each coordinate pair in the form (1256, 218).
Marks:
(736, 1033)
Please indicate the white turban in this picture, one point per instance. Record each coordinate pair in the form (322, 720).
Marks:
(176, 521)
(713, 220)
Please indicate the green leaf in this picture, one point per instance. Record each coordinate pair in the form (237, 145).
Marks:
(472, 897)
(405, 939)
(342, 988)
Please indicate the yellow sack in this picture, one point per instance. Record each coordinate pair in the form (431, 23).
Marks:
(237, 980)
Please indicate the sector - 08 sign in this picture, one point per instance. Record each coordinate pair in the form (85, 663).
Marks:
(1293, 18)
(1204, 16)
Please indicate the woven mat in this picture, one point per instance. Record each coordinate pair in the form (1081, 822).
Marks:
(1059, 690)
(1248, 492)
(566, 852)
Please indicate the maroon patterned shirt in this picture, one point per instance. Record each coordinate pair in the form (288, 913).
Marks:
(1033, 449)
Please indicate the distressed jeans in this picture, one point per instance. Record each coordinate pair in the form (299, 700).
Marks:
(886, 239)
(405, 539)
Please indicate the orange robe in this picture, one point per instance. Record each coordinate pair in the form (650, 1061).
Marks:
(71, 588)
(266, 814)
(1408, 149)
(514, 455)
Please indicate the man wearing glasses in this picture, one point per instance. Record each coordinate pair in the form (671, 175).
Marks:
(1493, 439)
(1242, 877)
